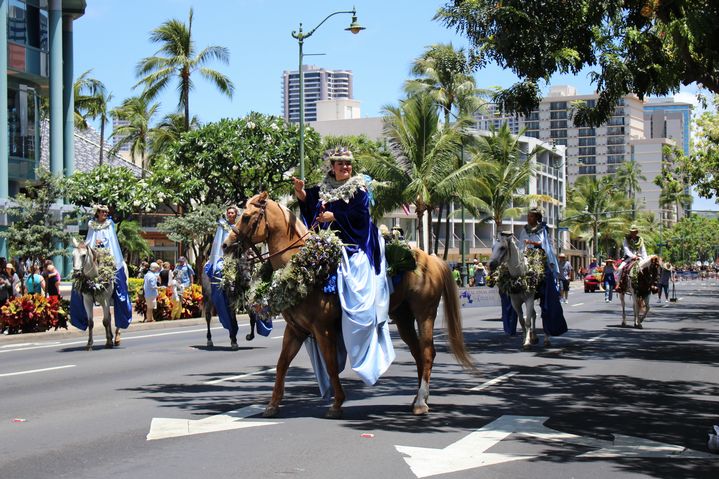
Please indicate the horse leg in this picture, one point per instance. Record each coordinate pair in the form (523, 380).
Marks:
(208, 318)
(328, 347)
(426, 326)
(89, 303)
(117, 336)
(526, 331)
(404, 320)
(624, 311)
(107, 323)
(637, 308)
(531, 319)
(251, 335)
(234, 328)
(291, 344)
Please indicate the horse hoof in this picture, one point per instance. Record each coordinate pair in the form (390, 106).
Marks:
(333, 413)
(250, 337)
(534, 340)
(547, 343)
(234, 346)
(526, 347)
(638, 326)
(108, 345)
(88, 347)
(209, 344)
(117, 342)
(271, 411)
(420, 410)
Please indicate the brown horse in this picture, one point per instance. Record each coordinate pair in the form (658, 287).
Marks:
(416, 298)
(647, 279)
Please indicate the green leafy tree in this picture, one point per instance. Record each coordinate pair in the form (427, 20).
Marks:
(423, 154)
(168, 131)
(692, 238)
(179, 59)
(647, 47)
(34, 231)
(118, 188)
(133, 245)
(231, 160)
(195, 229)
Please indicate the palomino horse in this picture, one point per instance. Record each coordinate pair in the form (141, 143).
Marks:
(647, 277)
(416, 298)
(505, 252)
(84, 267)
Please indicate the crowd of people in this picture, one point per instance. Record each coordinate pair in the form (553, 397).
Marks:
(162, 274)
(31, 279)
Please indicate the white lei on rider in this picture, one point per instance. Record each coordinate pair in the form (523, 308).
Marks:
(335, 190)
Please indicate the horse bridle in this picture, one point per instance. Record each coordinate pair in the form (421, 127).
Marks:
(246, 243)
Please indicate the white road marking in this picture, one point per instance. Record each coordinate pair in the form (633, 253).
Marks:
(590, 340)
(22, 346)
(470, 451)
(494, 381)
(31, 371)
(576, 304)
(163, 428)
(277, 337)
(241, 376)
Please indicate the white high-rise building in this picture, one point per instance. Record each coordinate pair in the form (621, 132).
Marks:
(319, 84)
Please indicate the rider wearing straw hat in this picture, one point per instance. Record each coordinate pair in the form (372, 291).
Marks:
(634, 250)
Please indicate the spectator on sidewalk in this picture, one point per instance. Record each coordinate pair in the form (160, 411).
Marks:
(16, 282)
(5, 283)
(165, 274)
(52, 279)
(150, 290)
(35, 283)
(664, 277)
(480, 275)
(186, 273)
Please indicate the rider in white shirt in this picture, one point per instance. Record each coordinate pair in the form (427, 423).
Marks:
(634, 249)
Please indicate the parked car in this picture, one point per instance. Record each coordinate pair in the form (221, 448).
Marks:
(592, 282)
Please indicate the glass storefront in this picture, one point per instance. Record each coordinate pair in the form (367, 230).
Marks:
(23, 131)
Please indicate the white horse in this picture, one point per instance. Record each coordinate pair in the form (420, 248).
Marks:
(505, 252)
(84, 266)
(646, 282)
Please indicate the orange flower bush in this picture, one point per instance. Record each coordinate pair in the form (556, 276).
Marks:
(32, 313)
(191, 304)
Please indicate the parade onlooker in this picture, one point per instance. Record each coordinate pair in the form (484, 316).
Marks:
(5, 283)
(608, 280)
(35, 283)
(664, 278)
(480, 275)
(52, 279)
(143, 269)
(564, 275)
(165, 274)
(15, 279)
(457, 276)
(150, 290)
(185, 272)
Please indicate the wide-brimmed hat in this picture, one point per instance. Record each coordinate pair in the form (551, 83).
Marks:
(634, 228)
(97, 208)
(562, 255)
(10, 265)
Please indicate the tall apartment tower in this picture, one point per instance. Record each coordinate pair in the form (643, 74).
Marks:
(320, 84)
(636, 131)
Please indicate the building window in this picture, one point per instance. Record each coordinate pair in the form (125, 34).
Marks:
(532, 125)
(587, 160)
(22, 128)
(587, 132)
(614, 159)
(587, 141)
(532, 133)
(555, 124)
(587, 150)
(615, 149)
(558, 115)
(560, 141)
(615, 140)
(615, 130)
(558, 105)
(616, 121)
(28, 24)
(587, 170)
(558, 134)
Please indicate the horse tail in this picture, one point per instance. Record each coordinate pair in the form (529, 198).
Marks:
(452, 316)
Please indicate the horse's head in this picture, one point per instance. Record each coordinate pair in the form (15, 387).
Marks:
(500, 250)
(82, 258)
(251, 228)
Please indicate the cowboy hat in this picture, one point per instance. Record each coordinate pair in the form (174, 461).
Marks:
(634, 228)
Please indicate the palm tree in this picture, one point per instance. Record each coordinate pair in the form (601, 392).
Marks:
(674, 194)
(134, 246)
(169, 130)
(502, 173)
(423, 155)
(593, 205)
(138, 112)
(91, 101)
(446, 75)
(628, 176)
(178, 58)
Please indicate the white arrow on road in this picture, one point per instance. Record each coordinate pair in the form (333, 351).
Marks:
(469, 452)
(162, 428)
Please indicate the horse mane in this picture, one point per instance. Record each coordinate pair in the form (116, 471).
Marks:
(646, 262)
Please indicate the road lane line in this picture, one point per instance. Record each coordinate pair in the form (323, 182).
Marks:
(577, 304)
(277, 337)
(241, 376)
(494, 381)
(31, 371)
(590, 340)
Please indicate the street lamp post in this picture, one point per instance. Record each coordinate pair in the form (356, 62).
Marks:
(355, 28)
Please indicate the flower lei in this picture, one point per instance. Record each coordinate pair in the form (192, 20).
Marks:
(99, 226)
(272, 292)
(536, 260)
(105, 274)
(333, 190)
(635, 244)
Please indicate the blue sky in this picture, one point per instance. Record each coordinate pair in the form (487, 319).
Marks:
(113, 36)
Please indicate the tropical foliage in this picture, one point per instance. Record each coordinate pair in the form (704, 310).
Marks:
(178, 59)
(647, 47)
(34, 231)
(32, 313)
(168, 309)
(692, 238)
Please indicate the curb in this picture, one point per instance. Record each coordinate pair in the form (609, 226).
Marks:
(99, 329)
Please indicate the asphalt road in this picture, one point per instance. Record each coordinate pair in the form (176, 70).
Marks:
(602, 402)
